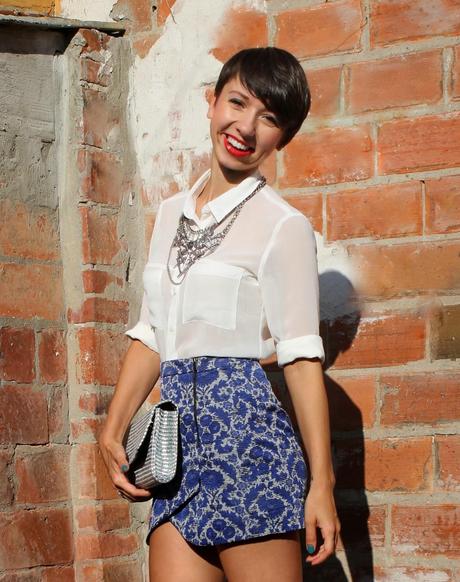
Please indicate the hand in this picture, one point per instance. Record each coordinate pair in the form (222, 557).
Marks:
(320, 511)
(116, 462)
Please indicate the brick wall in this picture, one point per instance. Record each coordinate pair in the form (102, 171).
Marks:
(376, 168)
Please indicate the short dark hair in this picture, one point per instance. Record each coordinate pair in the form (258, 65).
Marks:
(276, 77)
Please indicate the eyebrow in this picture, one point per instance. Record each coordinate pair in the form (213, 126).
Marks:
(243, 95)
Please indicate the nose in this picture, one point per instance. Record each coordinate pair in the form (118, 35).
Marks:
(246, 125)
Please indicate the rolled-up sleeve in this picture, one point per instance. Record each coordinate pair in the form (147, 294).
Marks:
(288, 278)
(143, 331)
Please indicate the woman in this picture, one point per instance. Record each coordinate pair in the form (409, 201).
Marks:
(232, 277)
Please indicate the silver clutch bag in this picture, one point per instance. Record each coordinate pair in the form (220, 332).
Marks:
(152, 446)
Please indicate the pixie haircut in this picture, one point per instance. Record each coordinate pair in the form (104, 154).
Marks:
(275, 77)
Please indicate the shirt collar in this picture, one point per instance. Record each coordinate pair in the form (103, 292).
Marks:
(224, 203)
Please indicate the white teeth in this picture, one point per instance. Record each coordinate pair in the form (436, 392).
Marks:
(237, 144)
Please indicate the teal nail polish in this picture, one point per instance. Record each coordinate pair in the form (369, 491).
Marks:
(310, 549)
(124, 468)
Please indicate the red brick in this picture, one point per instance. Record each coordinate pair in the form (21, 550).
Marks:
(333, 27)
(136, 14)
(448, 454)
(101, 352)
(100, 119)
(103, 177)
(456, 74)
(443, 205)
(98, 281)
(23, 415)
(391, 464)
(29, 291)
(241, 28)
(407, 79)
(104, 517)
(408, 574)
(386, 271)
(42, 475)
(359, 524)
(28, 232)
(328, 156)
(375, 212)
(396, 20)
(52, 356)
(427, 530)
(112, 571)
(86, 429)
(164, 9)
(95, 72)
(101, 309)
(383, 340)
(58, 574)
(420, 398)
(325, 91)
(94, 481)
(105, 545)
(96, 403)
(35, 537)
(351, 402)
(29, 575)
(311, 206)
(422, 143)
(17, 354)
(58, 415)
(94, 40)
(6, 487)
(100, 238)
(445, 339)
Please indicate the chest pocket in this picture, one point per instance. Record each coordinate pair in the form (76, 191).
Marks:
(152, 279)
(211, 293)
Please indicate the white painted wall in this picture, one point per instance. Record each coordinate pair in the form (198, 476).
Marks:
(87, 9)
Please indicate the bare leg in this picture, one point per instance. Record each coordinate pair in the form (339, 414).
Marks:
(173, 559)
(274, 558)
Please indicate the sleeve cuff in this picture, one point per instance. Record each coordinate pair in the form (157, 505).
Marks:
(143, 332)
(307, 346)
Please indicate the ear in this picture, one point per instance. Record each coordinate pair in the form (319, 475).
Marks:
(211, 99)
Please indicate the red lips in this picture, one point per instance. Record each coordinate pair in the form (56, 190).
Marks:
(235, 151)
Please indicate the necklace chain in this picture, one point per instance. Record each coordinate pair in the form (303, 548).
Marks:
(195, 243)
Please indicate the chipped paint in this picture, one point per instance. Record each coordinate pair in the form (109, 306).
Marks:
(167, 103)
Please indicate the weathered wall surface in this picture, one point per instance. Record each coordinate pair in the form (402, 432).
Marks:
(376, 168)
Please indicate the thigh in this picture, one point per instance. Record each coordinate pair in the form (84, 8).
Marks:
(172, 558)
(275, 558)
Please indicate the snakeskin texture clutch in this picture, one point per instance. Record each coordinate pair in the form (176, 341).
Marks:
(152, 446)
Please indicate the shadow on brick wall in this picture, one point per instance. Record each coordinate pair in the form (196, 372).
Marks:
(341, 316)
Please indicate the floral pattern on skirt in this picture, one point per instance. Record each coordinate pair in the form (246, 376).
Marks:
(241, 473)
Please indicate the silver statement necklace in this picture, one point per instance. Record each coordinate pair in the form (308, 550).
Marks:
(194, 243)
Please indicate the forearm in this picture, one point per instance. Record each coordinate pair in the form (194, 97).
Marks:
(305, 382)
(139, 373)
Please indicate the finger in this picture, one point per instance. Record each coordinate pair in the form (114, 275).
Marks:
(310, 538)
(120, 459)
(326, 549)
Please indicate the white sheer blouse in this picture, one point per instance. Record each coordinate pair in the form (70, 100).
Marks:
(256, 293)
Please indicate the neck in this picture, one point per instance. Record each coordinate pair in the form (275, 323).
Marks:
(221, 180)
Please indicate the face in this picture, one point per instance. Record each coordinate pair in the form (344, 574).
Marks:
(243, 131)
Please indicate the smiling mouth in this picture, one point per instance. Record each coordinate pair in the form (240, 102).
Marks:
(236, 147)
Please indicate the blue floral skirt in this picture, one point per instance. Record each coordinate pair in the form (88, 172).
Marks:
(241, 473)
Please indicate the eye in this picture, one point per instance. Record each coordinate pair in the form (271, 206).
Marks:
(236, 101)
(271, 119)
